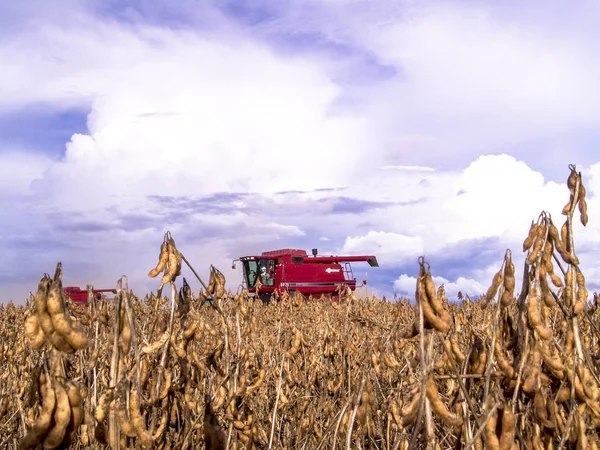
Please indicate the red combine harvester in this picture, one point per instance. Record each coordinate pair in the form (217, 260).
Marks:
(293, 270)
(80, 296)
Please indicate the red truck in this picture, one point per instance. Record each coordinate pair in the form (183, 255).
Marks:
(294, 270)
(80, 296)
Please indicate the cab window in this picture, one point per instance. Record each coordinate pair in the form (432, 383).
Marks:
(251, 273)
(266, 271)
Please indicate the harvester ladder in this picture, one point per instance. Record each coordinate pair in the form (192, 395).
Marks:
(348, 275)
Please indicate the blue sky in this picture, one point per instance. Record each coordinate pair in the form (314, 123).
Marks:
(398, 129)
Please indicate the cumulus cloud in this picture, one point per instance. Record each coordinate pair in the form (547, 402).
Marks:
(412, 133)
(406, 286)
(389, 247)
(492, 196)
(173, 113)
(470, 78)
(19, 169)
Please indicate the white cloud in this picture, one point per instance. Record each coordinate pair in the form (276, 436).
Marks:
(469, 287)
(18, 170)
(493, 196)
(406, 286)
(390, 248)
(471, 78)
(409, 168)
(501, 194)
(173, 113)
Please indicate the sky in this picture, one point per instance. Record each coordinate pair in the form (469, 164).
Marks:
(399, 129)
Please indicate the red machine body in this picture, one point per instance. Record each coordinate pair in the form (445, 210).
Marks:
(294, 270)
(80, 296)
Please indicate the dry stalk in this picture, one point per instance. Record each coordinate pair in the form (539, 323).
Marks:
(113, 425)
(277, 397)
(165, 353)
(490, 356)
(353, 414)
(481, 427)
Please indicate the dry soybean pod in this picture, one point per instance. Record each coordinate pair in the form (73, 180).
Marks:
(534, 315)
(583, 216)
(547, 267)
(211, 282)
(548, 299)
(496, 282)
(136, 418)
(125, 334)
(162, 261)
(61, 319)
(409, 412)
(509, 428)
(431, 318)
(503, 363)
(582, 292)
(103, 405)
(426, 287)
(528, 242)
(568, 294)
(220, 283)
(561, 243)
(164, 420)
(555, 365)
(44, 419)
(571, 184)
(62, 417)
(509, 273)
(77, 412)
(537, 246)
(34, 332)
(172, 257)
(438, 406)
(491, 439)
(45, 319)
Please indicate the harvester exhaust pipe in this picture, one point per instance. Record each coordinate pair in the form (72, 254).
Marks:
(314, 252)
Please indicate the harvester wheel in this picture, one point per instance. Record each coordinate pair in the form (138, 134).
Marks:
(265, 297)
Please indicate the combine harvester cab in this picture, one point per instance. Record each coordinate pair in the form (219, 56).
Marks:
(80, 296)
(294, 270)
